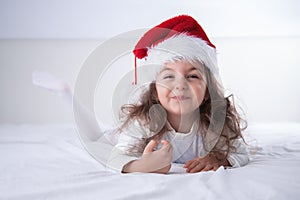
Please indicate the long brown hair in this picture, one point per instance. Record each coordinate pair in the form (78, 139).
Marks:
(218, 117)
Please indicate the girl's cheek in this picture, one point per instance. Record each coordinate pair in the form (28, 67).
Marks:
(165, 87)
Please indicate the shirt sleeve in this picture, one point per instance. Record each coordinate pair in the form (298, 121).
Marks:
(128, 146)
(241, 156)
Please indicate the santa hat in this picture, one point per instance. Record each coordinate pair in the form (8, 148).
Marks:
(177, 38)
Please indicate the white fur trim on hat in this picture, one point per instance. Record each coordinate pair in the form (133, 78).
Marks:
(183, 46)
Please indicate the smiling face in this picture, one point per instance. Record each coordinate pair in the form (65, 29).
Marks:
(180, 88)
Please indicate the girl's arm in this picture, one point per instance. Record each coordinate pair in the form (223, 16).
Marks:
(127, 156)
(205, 163)
(241, 156)
(210, 162)
(155, 161)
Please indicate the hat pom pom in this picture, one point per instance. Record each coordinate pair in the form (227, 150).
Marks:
(141, 53)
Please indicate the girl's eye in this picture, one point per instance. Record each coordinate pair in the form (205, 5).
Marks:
(168, 76)
(193, 76)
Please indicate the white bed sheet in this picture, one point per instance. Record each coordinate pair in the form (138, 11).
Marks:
(49, 162)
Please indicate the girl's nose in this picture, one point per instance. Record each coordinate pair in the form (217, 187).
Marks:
(181, 84)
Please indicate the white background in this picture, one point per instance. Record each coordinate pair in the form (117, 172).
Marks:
(258, 44)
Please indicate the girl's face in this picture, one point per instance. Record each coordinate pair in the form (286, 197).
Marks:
(181, 88)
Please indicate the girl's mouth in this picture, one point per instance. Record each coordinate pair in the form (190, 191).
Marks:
(180, 98)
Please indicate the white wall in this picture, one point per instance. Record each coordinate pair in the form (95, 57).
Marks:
(263, 73)
(103, 18)
(258, 44)
(21, 101)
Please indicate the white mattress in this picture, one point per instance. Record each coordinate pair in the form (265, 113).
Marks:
(49, 162)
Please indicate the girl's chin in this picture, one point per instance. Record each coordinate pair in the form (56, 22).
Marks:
(180, 112)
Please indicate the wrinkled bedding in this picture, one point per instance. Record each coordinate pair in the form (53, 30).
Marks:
(49, 162)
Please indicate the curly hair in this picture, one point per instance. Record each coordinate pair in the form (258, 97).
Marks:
(220, 122)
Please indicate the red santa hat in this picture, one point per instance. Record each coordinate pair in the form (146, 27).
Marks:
(177, 38)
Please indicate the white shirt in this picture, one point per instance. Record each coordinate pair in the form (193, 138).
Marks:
(186, 146)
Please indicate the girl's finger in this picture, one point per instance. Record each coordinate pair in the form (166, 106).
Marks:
(216, 168)
(207, 168)
(197, 168)
(193, 165)
(166, 144)
(151, 146)
(188, 163)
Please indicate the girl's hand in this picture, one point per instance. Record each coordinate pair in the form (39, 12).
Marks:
(159, 160)
(206, 163)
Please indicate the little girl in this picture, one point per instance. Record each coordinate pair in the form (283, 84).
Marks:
(183, 116)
